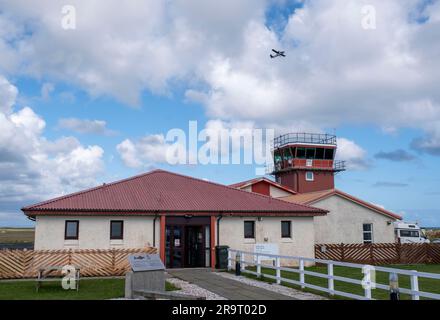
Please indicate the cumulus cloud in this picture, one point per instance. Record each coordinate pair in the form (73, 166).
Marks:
(398, 155)
(85, 126)
(430, 143)
(335, 71)
(34, 168)
(146, 151)
(353, 154)
(8, 94)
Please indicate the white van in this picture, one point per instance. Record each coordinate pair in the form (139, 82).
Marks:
(409, 233)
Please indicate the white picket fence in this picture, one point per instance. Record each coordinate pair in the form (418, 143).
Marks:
(367, 283)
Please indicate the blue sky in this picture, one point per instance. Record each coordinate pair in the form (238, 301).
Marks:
(374, 89)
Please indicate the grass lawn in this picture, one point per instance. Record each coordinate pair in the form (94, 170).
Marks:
(89, 289)
(428, 285)
(16, 235)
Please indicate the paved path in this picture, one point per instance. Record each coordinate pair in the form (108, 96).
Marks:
(227, 288)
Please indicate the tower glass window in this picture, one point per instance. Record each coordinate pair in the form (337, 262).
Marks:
(301, 153)
(329, 153)
(277, 159)
(310, 153)
(288, 155)
(319, 153)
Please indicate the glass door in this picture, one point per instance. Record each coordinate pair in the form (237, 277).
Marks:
(195, 247)
(174, 248)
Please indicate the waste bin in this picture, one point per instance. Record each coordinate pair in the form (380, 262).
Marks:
(221, 254)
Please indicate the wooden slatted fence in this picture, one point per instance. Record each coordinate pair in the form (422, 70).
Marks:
(380, 253)
(16, 264)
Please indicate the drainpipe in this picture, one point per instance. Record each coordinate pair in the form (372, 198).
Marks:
(154, 230)
(218, 229)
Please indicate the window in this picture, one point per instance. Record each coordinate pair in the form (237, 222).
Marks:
(249, 229)
(288, 154)
(71, 230)
(310, 176)
(116, 230)
(301, 153)
(409, 233)
(329, 153)
(286, 229)
(310, 153)
(368, 232)
(277, 160)
(319, 153)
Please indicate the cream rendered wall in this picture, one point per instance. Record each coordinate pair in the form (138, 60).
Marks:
(301, 243)
(248, 189)
(94, 232)
(343, 224)
(274, 191)
(278, 193)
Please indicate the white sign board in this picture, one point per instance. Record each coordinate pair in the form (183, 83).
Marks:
(265, 248)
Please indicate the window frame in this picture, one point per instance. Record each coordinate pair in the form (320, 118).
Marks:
(313, 176)
(370, 232)
(410, 232)
(76, 236)
(289, 236)
(253, 229)
(121, 237)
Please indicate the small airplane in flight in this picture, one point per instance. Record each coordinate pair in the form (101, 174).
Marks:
(277, 54)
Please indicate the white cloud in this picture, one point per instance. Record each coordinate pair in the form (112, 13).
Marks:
(147, 151)
(46, 90)
(122, 50)
(85, 126)
(353, 154)
(34, 168)
(8, 94)
(430, 143)
(335, 72)
(129, 154)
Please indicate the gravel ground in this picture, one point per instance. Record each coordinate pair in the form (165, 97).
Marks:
(273, 287)
(193, 290)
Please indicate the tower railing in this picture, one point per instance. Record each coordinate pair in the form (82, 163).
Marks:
(338, 166)
(313, 138)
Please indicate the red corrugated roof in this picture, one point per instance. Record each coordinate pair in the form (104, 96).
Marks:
(244, 184)
(165, 192)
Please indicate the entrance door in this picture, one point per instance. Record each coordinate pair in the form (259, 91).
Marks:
(188, 242)
(174, 248)
(194, 247)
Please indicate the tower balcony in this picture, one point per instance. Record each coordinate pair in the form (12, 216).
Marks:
(307, 164)
(304, 138)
